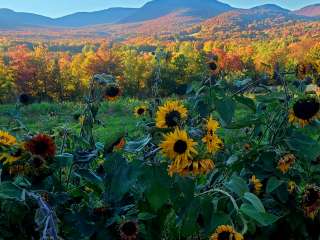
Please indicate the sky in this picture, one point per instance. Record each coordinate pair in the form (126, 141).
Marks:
(57, 8)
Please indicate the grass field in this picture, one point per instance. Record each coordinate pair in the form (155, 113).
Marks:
(115, 117)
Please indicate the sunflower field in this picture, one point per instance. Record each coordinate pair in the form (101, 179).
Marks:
(224, 162)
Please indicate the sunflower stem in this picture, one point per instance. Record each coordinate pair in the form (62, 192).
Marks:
(234, 203)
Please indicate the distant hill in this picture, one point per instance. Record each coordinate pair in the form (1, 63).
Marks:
(10, 19)
(248, 21)
(108, 16)
(200, 9)
(310, 11)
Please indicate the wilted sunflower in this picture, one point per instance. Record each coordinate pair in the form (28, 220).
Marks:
(6, 139)
(41, 145)
(226, 232)
(286, 162)
(211, 126)
(178, 147)
(311, 201)
(194, 167)
(170, 114)
(304, 111)
(112, 92)
(255, 185)
(129, 230)
(140, 111)
(214, 143)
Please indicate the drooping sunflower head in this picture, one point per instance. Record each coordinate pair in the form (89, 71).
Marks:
(213, 143)
(226, 232)
(286, 162)
(6, 139)
(140, 110)
(42, 145)
(178, 147)
(170, 115)
(255, 185)
(304, 111)
(311, 201)
(211, 126)
(112, 92)
(129, 230)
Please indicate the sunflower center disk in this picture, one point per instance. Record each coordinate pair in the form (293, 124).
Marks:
(112, 91)
(180, 147)
(173, 118)
(224, 236)
(306, 109)
(129, 228)
(41, 147)
(140, 111)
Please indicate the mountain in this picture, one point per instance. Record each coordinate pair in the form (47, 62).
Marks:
(310, 11)
(111, 15)
(158, 8)
(249, 22)
(9, 19)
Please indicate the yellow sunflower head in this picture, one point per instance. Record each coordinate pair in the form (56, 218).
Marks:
(6, 139)
(211, 126)
(286, 162)
(304, 111)
(140, 111)
(226, 232)
(255, 185)
(171, 114)
(213, 142)
(178, 147)
(112, 92)
(311, 201)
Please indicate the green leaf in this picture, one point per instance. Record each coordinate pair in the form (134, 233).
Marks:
(226, 109)
(137, 146)
(255, 201)
(157, 195)
(64, 160)
(273, 184)
(263, 218)
(237, 185)
(9, 190)
(89, 175)
(304, 145)
(146, 216)
(247, 102)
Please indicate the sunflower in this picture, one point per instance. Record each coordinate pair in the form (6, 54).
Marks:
(311, 201)
(211, 126)
(291, 186)
(7, 158)
(24, 98)
(213, 142)
(112, 92)
(304, 111)
(170, 114)
(129, 230)
(178, 147)
(140, 111)
(226, 232)
(194, 167)
(213, 66)
(255, 185)
(286, 162)
(6, 139)
(41, 145)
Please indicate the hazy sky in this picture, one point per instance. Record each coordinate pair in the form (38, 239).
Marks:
(55, 8)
